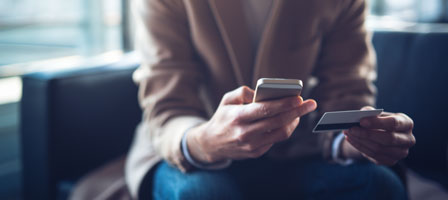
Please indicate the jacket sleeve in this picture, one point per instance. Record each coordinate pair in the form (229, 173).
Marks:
(169, 77)
(346, 67)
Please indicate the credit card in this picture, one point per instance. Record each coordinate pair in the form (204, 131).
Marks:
(342, 120)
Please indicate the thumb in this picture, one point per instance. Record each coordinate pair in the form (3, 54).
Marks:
(367, 108)
(241, 95)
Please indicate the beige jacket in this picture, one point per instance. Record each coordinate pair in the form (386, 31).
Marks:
(194, 51)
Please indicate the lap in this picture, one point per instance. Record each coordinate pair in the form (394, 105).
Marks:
(312, 179)
(170, 183)
(365, 180)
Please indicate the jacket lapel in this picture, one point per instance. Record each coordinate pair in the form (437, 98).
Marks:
(229, 16)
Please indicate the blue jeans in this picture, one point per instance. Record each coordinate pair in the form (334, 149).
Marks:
(267, 179)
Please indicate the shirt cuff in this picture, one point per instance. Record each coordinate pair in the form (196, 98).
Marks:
(335, 150)
(199, 165)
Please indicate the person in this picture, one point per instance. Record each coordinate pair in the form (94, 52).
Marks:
(201, 136)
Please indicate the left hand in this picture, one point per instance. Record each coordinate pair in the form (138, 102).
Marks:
(384, 139)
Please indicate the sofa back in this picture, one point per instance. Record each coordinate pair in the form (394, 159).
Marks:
(74, 121)
(413, 79)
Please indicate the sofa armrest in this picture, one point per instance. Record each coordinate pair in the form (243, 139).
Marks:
(73, 121)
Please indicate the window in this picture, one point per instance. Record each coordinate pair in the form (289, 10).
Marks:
(33, 30)
(411, 10)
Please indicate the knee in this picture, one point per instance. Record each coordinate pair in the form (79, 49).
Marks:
(203, 187)
(385, 184)
(196, 185)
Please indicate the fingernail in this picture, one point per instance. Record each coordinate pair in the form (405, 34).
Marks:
(309, 108)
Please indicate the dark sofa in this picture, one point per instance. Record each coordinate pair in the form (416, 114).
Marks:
(77, 120)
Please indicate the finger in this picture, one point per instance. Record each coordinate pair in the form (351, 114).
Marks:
(371, 155)
(380, 151)
(383, 137)
(273, 123)
(311, 105)
(367, 108)
(241, 95)
(254, 139)
(394, 122)
(277, 135)
(279, 120)
(259, 110)
(302, 109)
(379, 158)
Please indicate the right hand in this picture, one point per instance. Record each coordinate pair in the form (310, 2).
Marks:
(240, 129)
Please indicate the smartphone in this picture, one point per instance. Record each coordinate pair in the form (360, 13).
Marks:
(276, 88)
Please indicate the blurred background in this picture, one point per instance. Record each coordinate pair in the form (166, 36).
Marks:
(54, 35)
(42, 35)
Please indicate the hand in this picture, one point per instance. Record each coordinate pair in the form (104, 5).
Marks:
(240, 129)
(384, 139)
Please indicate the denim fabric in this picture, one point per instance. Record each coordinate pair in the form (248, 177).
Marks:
(267, 179)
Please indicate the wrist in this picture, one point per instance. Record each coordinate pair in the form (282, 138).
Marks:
(343, 151)
(347, 151)
(194, 152)
(197, 146)
(336, 153)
